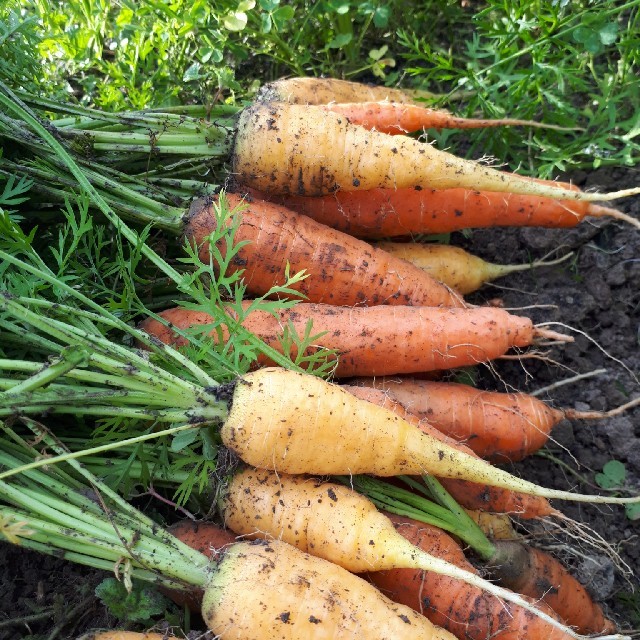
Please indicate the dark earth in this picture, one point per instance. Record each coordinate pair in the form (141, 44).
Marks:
(597, 293)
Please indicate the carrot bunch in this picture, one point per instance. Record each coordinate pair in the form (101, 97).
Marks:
(386, 317)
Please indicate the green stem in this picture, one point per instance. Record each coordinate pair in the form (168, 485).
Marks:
(52, 516)
(448, 515)
(68, 456)
(474, 536)
(70, 358)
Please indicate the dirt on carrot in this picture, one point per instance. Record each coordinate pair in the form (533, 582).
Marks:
(384, 213)
(273, 242)
(460, 608)
(380, 340)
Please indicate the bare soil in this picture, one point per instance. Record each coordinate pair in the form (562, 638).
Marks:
(597, 294)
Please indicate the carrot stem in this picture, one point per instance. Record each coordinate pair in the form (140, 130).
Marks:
(50, 513)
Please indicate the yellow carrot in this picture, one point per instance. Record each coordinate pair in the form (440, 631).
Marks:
(305, 150)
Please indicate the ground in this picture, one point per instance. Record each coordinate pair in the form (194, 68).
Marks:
(597, 293)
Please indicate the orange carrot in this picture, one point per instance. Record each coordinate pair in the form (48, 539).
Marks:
(468, 494)
(341, 270)
(317, 91)
(460, 608)
(454, 266)
(384, 213)
(497, 426)
(538, 575)
(380, 340)
(282, 148)
(394, 118)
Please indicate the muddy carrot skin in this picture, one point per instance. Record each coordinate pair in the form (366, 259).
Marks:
(381, 340)
(534, 573)
(468, 494)
(498, 426)
(305, 150)
(382, 213)
(270, 590)
(341, 269)
(462, 609)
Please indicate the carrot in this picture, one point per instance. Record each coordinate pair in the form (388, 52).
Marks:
(291, 594)
(460, 608)
(259, 590)
(385, 109)
(497, 526)
(295, 423)
(497, 426)
(395, 118)
(316, 91)
(341, 270)
(333, 522)
(534, 573)
(468, 494)
(379, 340)
(384, 213)
(204, 537)
(282, 148)
(454, 266)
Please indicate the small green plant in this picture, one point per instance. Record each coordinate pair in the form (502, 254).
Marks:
(631, 601)
(139, 602)
(613, 476)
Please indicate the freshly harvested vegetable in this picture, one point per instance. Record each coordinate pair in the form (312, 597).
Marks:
(385, 109)
(379, 340)
(291, 149)
(461, 608)
(454, 266)
(291, 594)
(207, 538)
(272, 241)
(333, 522)
(540, 576)
(496, 526)
(509, 561)
(454, 606)
(315, 599)
(385, 213)
(468, 494)
(497, 426)
(270, 245)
